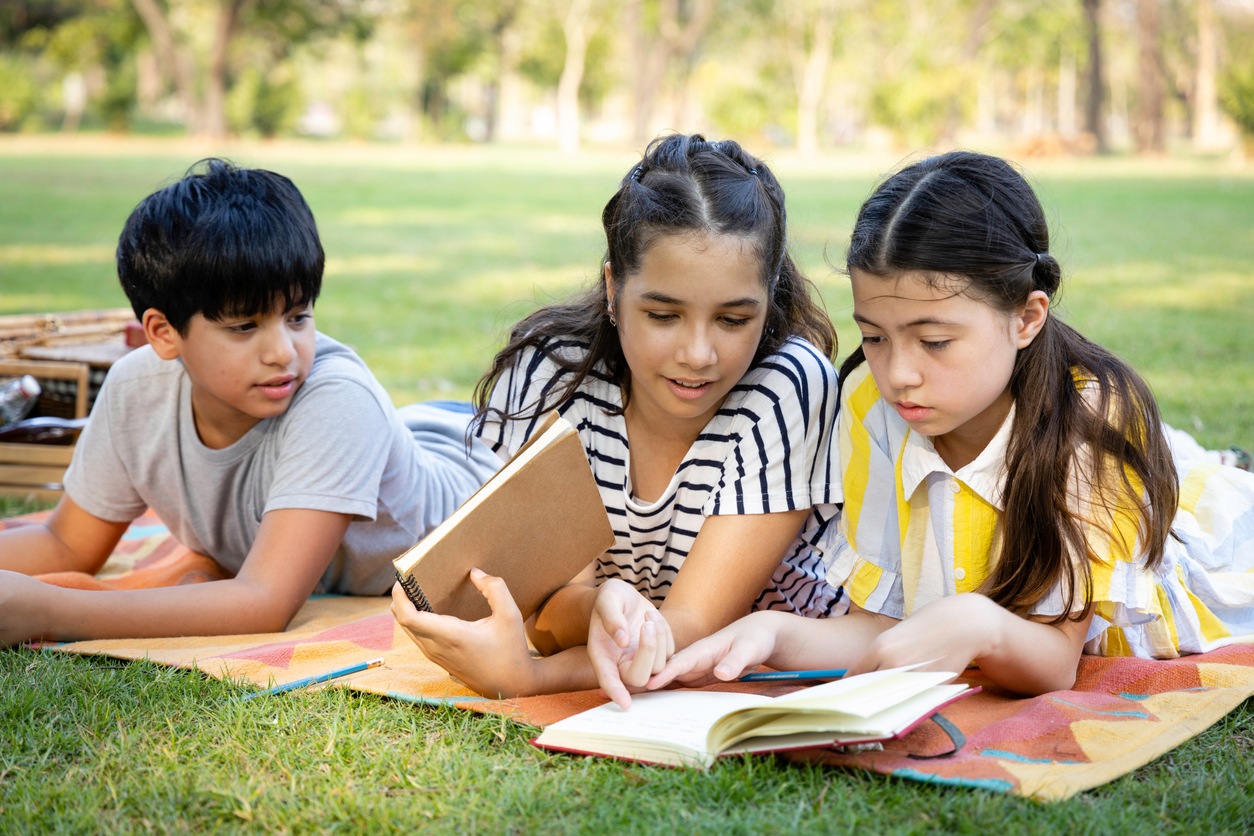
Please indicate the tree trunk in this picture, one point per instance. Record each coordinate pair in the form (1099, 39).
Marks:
(1206, 112)
(168, 59)
(575, 30)
(651, 63)
(215, 85)
(970, 52)
(1148, 131)
(1097, 85)
(1066, 94)
(810, 70)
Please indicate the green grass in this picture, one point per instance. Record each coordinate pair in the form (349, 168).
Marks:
(89, 744)
(431, 255)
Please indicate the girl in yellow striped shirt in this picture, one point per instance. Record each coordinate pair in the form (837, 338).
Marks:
(1010, 495)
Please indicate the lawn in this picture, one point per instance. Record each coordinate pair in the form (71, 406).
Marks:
(431, 255)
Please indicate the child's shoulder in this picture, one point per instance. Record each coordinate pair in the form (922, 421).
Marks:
(858, 391)
(798, 372)
(338, 371)
(797, 363)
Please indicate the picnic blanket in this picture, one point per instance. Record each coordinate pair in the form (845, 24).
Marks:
(1121, 714)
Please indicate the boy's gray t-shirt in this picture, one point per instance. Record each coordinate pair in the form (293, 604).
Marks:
(341, 446)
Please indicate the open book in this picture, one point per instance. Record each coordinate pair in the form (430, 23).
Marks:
(692, 728)
(536, 523)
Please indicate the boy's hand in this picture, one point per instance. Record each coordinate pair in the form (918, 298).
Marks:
(628, 640)
(490, 655)
(20, 598)
(741, 646)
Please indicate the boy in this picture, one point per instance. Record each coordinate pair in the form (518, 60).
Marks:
(260, 442)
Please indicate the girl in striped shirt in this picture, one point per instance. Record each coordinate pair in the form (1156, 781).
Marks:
(1010, 495)
(696, 372)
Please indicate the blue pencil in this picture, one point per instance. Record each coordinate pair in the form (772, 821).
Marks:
(774, 675)
(310, 680)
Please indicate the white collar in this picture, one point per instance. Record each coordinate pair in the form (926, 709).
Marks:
(986, 475)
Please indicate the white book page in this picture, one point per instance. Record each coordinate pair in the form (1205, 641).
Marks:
(675, 719)
(866, 694)
(887, 723)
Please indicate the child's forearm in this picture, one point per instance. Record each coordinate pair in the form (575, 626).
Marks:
(563, 620)
(34, 550)
(1031, 657)
(206, 609)
(811, 643)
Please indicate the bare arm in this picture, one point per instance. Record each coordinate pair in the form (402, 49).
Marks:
(731, 560)
(70, 540)
(1020, 654)
(292, 549)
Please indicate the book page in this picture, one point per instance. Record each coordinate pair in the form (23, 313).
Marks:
(868, 693)
(674, 720)
(838, 726)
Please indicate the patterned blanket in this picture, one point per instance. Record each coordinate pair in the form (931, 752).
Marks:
(1121, 714)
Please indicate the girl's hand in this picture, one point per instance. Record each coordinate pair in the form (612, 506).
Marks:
(490, 655)
(628, 640)
(948, 633)
(741, 646)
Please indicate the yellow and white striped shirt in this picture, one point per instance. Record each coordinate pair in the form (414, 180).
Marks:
(913, 531)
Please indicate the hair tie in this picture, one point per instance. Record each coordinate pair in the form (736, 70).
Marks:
(1040, 257)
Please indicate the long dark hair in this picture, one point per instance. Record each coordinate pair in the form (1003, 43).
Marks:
(684, 184)
(973, 217)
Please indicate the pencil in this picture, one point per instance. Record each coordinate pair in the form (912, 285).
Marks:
(774, 675)
(310, 680)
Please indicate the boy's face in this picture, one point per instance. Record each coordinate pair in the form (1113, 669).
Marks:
(242, 368)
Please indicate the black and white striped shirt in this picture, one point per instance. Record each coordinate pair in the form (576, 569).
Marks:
(770, 447)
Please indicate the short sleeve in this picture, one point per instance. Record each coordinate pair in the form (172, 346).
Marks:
(97, 479)
(335, 444)
(866, 552)
(780, 453)
(530, 387)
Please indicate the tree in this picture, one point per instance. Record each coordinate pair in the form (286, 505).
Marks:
(1206, 108)
(1148, 124)
(678, 29)
(575, 28)
(201, 73)
(1097, 86)
(810, 35)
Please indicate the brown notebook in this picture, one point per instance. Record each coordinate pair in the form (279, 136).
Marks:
(536, 523)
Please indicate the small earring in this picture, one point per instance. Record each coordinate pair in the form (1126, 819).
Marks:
(610, 311)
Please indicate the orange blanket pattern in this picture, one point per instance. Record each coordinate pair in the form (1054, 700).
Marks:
(1121, 714)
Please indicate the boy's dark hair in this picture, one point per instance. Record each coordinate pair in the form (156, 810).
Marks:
(971, 223)
(684, 185)
(223, 241)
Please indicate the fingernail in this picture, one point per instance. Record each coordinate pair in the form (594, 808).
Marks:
(477, 573)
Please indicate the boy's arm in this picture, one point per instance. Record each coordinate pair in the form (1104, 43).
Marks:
(70, 540)
(292, 550)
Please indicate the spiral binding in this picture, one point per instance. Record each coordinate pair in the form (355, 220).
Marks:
(414, 591)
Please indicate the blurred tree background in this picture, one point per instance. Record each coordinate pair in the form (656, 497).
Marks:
(1036, 76)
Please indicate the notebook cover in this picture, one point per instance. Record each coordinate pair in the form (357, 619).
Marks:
(537, 530)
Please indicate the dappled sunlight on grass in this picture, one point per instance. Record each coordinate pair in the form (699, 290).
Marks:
(1221, 292)
(49, 255)
(357, 266)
